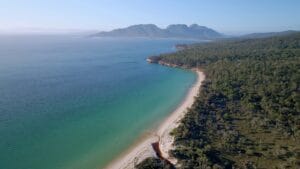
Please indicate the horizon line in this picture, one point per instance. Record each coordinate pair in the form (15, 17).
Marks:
(42, 30)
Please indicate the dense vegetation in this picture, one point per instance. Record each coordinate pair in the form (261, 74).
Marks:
(247, 113)
(154, 163)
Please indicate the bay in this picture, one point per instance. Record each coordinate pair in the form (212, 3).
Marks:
(70, 102)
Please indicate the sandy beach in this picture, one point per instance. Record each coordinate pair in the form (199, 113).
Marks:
(143, 149)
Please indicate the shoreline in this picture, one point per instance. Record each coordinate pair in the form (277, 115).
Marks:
(143, 149)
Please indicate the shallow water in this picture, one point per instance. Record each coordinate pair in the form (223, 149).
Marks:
(77, 103)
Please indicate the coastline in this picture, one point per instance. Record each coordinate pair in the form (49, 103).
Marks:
(161, 135)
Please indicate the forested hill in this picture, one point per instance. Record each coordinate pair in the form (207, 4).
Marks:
(247, 113)
(267, 34)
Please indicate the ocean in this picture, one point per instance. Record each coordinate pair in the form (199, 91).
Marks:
(71, 102)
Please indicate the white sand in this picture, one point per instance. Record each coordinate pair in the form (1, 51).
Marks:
(144, 149)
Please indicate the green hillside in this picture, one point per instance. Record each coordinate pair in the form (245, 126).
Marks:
(247, 113)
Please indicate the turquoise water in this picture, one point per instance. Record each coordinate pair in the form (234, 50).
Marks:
(77, 103)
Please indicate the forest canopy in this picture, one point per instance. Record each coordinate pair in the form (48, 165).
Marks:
(247, 113)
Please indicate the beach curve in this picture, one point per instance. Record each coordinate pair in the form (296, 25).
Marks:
(144, 148)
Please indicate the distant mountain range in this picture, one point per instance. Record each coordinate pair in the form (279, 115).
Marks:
(267, 34)
(193, 31)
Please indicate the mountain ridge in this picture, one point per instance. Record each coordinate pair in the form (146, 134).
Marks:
(267, 34)
(193, 31)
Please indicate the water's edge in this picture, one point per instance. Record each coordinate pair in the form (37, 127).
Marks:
(143, 147)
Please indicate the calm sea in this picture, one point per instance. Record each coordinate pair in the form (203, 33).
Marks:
(77, 103)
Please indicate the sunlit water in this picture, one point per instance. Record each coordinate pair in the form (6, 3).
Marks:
(77, 103)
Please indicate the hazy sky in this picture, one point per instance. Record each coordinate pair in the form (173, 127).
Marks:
(227, 16)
